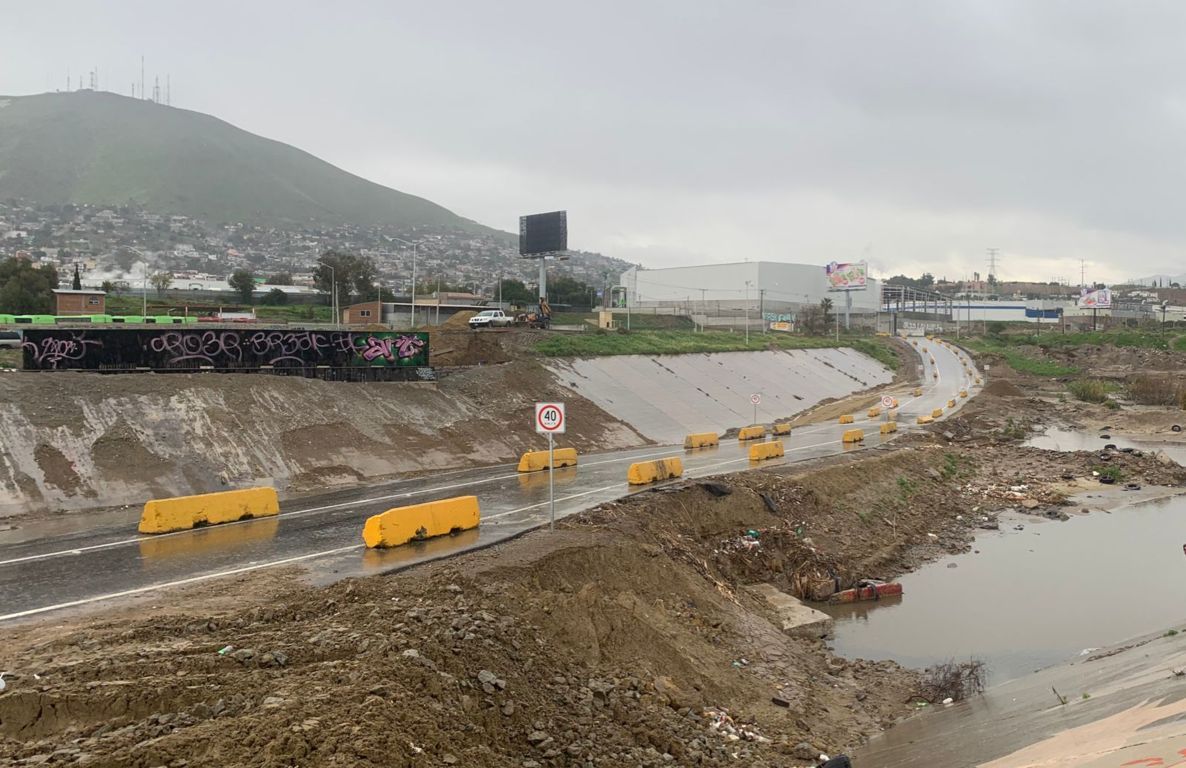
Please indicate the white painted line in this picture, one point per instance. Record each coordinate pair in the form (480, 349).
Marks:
(178, 583)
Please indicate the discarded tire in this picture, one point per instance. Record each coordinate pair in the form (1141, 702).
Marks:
(1176, 428)
(1106, 480)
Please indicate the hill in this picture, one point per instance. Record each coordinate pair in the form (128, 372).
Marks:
(102, 148)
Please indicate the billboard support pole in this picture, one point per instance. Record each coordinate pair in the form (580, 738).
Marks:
(543, 280)
(848, 310)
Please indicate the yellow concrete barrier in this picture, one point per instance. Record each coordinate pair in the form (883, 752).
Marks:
(951, 403)
(643, 472)
(781, 428)
(925, 419)
(977, 379)
(763, 451)
(183, 512)
(852, 436)
(936, 413)
(421, 521)
(874, 412)
(702, 440)
(751, 433)
(534, 461)
(846, 419)
(895, 405)
(917, 392)
(963, 393)
(892, 414)
(889, 427)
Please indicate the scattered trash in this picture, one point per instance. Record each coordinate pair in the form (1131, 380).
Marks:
(1127, 449)
(1176, 428)
(751, 533)
(933, 535)
(948, 701)
(770, 503)
(1132, 486)
(1110, 447)
(717, 489)
(778, 701)
(223, 651)
(1107, 479)
(3, 684)
(1105, 437)
(866, 589)
(720, 721)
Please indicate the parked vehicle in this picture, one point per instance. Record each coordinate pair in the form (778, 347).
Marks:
(10, 339)
(491, 318)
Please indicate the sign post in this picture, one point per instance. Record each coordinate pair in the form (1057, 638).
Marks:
(756, 399)
(887, 402)
(550, 421)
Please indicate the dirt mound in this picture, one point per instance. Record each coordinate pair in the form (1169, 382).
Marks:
(459, 320)
(1002, 388)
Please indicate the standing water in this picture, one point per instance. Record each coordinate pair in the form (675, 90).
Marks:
(1032, 597)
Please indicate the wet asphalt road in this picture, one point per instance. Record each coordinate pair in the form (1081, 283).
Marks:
(84, 560)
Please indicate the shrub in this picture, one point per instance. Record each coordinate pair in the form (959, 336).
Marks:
(1156, 389)
(1089, 390)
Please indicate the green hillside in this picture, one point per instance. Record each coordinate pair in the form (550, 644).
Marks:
(87, 147)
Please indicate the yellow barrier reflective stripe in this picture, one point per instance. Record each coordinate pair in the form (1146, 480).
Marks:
(763, 451)
(644, 472)
(534, 461)
(421, 521)
(184, 512)
(701, 440)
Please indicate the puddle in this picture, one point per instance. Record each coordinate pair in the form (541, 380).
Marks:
(1073, 440)
(1034, 597)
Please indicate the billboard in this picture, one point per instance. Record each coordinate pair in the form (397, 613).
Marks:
(847, 277)
(379, 355)
(542, 233)
(1097, 298)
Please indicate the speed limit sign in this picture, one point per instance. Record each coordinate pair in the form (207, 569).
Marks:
(549, 418)
(755, 398)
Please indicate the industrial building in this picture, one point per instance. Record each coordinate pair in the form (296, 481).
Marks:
(718, 294)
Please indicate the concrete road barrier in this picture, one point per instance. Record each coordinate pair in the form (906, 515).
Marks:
(892, 414)
(763, 451)
(977, 379)
(889, 427)
(853, 436)
(702, 440)
(963, 393)
(936, 413)
(917, 392)
(846, 419)
(925, 419)
(401, 525)
(184, 512)
(951, 403)
(643, 472)
(781, 428)
(874, 412)
(534, 461)
(751, 433)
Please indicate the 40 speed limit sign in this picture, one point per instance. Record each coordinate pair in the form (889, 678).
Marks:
(549, 418)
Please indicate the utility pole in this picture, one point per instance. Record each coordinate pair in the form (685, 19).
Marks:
(747, 282)
(762, 308)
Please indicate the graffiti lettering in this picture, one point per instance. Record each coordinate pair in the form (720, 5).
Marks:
(50, 351)
(225, 350)
(389, 348)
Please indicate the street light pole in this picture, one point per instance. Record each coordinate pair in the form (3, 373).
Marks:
(405, 242)
(144, 290)
(747, 313)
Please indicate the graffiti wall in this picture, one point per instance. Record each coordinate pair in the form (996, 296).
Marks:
(370, 355)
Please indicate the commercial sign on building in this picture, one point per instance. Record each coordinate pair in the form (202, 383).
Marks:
(847, 277)
(1100, 298)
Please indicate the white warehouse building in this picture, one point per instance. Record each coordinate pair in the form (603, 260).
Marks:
(763, 286)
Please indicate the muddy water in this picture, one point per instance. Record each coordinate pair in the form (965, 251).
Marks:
(1034, 597)
(1071, 440)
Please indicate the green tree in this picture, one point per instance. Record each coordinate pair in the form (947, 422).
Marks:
(161, 281)
(26, 289)
(107, 287)
(515, 292)
(275, 298)
(348, 270)
(77, 284)
(243, 283)
(825, 306)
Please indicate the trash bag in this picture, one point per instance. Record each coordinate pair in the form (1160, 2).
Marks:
(840, 761)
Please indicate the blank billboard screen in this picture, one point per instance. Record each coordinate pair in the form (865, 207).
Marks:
(543, 233)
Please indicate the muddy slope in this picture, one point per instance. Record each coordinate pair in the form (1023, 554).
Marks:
(75, 440)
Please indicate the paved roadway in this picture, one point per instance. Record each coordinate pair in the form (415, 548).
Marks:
(81, 560)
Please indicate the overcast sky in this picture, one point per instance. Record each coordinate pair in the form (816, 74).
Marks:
(913, 134)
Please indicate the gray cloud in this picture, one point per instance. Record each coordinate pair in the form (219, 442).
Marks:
(920, 132)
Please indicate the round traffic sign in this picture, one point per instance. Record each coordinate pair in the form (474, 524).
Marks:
(755, 398)
(550, 418)
(887, 401)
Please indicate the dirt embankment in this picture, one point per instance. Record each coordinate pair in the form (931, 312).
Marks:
(76, 440)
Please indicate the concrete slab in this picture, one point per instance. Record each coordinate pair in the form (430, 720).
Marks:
(666, 397)
(795, 618)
